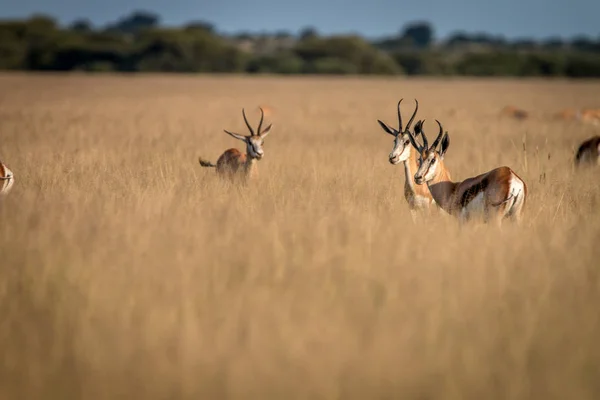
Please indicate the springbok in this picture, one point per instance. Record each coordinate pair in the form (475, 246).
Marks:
(233, 162)
(514, 112)
(418, 197)
(7, 179)
(590, 116)
(494, 195)
(586, 115)
(588, 152)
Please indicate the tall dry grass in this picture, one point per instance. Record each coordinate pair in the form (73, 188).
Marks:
(127, 271)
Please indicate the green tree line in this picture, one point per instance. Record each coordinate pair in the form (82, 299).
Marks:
(139, 43)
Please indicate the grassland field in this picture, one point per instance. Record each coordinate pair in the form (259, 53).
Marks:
(127, 271)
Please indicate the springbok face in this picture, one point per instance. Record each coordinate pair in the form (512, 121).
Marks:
(254, 147)
(429, 157)
(401, 150)
(254, 141)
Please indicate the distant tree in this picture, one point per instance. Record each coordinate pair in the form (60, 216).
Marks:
(201, 26)
(458, 39)
(583, 43)
(283, 62)
(553, 43)
(243, 36)
(308, 33)
(42, 38)
(41, 22)
(135, 22)
(283, 35)
(81, 26)
(524, 44)
(582, 65)
(136, 42)
(419, 33)
(344, 55)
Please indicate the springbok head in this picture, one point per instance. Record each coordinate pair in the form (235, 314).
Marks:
(255, 140)
(429, 156)
(401, 150)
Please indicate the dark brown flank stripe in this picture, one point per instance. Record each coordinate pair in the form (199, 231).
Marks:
(473, 191)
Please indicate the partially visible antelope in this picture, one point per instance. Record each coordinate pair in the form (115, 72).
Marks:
(514, 112)
(586, 115)
(418, 197)
(588, 153)
(591, 116)
(494, 195)
(7, 179)
(233, 162)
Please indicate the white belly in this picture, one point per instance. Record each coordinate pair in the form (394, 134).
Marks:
(475, 208)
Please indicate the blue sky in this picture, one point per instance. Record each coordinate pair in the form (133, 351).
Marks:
(373, 18)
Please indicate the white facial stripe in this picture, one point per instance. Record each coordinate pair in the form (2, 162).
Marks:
(431, 166)
(426, 169)
(255, 147)
(401, 149)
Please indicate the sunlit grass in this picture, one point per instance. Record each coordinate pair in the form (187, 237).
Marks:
(128, 271)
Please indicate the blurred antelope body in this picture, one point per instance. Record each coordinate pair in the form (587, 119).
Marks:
(591, 116)
(512, 111)
(7, 179)
(418, 197)
(233, 162)
(588, 152)
(267, 110)
(587, 115)
(494, 195)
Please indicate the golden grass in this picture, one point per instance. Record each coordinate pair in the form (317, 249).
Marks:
(128, 271)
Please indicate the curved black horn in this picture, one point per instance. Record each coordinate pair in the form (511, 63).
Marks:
(413, 116)
(419, 127)
(247, 123)
(399, 117)
(440, 134)
(262, 115)
(414, 142)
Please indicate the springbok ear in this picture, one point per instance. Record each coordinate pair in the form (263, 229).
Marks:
(265, 131)
(388, 128)
(236, 135)
(444, 145)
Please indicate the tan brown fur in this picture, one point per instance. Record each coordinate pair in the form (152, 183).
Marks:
(586, 115)
(512, 111)
(590, 116)
(456, 197)
(410, 191)
(418, 198)
(234, 163)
